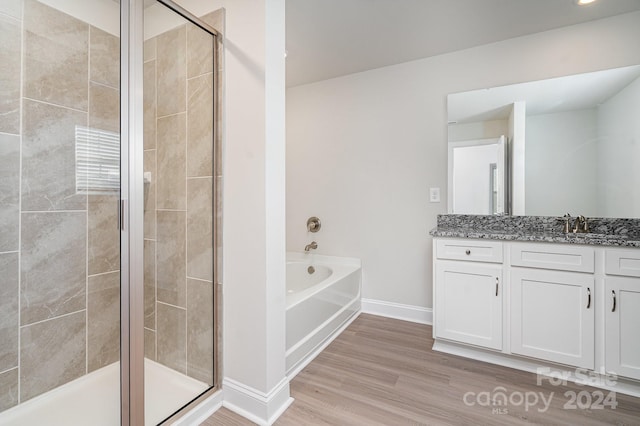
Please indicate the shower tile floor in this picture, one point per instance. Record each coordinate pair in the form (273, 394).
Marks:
(95, 399)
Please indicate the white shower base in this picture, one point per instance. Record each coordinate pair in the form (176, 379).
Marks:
(94, 399)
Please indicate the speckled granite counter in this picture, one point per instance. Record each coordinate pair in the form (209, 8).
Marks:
(604, 231)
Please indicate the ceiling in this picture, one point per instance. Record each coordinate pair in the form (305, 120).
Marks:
(331, 38)
(570, 93)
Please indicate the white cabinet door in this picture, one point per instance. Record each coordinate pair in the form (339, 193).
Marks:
(468, 305)
(622, 322)
(552, 316)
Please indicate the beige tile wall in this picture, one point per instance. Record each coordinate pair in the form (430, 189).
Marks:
(216, 19)
(59, 251)
(178, 105)
(150, 190)
(52, 353)
(103, 310)
(56, 57)
(9, 191)
(10, 29)
(10, 70)
(9, 307)
(53, 254)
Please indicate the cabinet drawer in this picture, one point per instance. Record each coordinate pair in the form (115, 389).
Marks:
(622, 262)
(471, 250)
(553, 256)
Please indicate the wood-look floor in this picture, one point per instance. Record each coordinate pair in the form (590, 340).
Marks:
(382, 371)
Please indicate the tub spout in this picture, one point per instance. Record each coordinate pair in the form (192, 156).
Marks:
(313, 245)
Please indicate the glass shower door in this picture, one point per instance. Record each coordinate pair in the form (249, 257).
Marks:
(59, 192)
(178, 210)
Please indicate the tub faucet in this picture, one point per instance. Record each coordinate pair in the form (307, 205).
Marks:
(313, 245)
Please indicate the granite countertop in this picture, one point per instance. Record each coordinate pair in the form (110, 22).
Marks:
(605, 232)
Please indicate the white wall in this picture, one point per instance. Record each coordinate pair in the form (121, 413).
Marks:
(363, 150)
(478, 130)
(248, 220)
(619, 153)
(561, 164)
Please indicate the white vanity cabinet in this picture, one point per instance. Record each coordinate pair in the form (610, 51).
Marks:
(552, 316)
(552, 308)
(559, 304)
(471, 303)
(622, 313)
(469, 298)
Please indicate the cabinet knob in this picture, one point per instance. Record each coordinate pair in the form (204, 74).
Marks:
(467, 252)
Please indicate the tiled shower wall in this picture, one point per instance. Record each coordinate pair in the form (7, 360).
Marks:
(59, 249)
(178, 143)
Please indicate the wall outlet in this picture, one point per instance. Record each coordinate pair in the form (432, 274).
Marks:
(434, 195)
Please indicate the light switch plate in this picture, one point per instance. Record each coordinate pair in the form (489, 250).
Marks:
(434, 195)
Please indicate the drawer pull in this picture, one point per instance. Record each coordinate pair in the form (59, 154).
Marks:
(467, 252)
(497, 282)
(613, 308)
(588, 298)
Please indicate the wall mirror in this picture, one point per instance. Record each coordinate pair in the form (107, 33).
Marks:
(548, 147)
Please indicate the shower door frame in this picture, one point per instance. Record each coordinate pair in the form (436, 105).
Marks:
(131, 209)
(130, 219)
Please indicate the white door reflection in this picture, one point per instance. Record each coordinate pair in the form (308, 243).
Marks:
(477, 176)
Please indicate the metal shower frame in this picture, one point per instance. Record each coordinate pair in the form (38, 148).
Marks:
(131, 208)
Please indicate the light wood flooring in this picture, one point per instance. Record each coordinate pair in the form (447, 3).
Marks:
(382, 371)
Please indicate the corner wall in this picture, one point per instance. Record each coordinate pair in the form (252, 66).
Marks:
(363, 150)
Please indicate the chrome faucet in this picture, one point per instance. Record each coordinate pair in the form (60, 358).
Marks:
(313, 245)
(580, 226)
(566, 217)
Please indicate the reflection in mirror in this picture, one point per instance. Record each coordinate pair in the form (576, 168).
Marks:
(477, 176)
(572, 144)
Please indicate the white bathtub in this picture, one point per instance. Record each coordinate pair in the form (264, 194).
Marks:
(319, 304)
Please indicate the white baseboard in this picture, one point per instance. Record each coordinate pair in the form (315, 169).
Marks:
(252, 404)
(202, 411)
(411, 313)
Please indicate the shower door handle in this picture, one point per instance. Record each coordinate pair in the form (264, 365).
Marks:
(121, 216)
